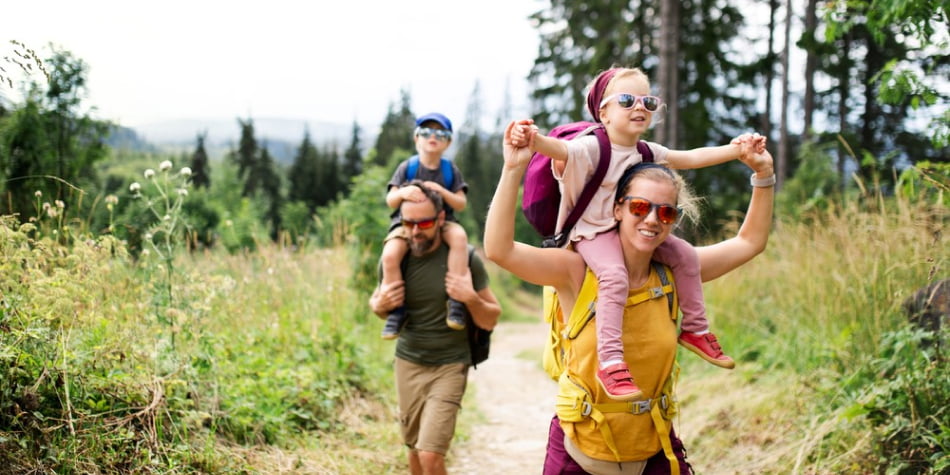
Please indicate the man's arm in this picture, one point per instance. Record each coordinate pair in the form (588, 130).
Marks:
(482, 304)
(387, 297)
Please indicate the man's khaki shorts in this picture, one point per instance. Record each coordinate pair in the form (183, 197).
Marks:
(429, 400)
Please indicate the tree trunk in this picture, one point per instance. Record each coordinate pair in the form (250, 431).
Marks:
(766, 122)
(844, 92)
(783, 148)
(668, 73)
(811, 63)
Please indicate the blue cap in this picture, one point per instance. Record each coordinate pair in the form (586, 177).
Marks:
(435, 117)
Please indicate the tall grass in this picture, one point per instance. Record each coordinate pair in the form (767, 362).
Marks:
(828, 287)
(271, 349)
(817, 327)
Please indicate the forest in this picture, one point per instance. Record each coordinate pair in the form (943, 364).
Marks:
(124, 269)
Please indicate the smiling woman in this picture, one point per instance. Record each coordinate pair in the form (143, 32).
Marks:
(638, 433)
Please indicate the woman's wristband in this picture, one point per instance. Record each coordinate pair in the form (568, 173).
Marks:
(762, 182)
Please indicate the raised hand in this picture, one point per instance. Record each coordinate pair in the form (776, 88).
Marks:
(518, 142)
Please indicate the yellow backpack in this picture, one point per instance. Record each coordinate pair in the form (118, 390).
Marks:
(574, 403)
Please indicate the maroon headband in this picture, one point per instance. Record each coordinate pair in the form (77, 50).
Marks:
(596, 93)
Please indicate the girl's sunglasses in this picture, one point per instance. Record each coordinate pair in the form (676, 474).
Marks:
(422, 223)
(642, 207)
(627, 101)
(439, 134)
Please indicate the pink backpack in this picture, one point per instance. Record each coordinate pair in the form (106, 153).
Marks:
(541, 195)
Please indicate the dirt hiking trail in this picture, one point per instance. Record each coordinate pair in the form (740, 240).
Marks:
(515, 402)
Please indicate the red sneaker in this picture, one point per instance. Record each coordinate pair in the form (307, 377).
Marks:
(618, 383)
(707, 347)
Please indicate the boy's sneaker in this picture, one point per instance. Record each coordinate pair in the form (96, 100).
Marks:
(455, 316)
(394, 323)
(618, 383)
(707, 347)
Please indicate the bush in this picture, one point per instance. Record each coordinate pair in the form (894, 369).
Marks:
(905, 395)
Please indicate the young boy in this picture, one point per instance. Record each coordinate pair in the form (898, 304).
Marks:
(433, 135)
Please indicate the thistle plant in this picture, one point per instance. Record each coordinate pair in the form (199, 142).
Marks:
(164, 194)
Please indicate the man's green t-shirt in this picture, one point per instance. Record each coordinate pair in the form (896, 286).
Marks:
(426, 339)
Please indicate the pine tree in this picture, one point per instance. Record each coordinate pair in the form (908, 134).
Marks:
(268, 179)
(303, 175)
(245, 157)
(352, 159)
(200, 168)
(396, 132)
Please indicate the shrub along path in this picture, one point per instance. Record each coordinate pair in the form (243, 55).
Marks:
(514, 399)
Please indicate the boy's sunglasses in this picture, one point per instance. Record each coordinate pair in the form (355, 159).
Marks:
(422, 223)
(642, 207)
(440, 134)
(627, 101)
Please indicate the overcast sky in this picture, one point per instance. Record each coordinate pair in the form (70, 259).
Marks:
(313, 60)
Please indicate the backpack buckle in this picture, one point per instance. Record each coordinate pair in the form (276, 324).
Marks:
(640, 407)
(587, 408)
(656, 292)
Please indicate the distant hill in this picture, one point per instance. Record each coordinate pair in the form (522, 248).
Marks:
(280, 136)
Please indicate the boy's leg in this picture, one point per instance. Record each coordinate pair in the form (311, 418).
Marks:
(395, 248)
(681, 257)
(454, 235)
(605, 258)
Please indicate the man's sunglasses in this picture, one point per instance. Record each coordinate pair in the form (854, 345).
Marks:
(421, 223)
(627, 101)
(642, 207)
(440, 134)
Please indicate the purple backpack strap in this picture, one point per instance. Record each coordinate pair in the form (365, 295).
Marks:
(587, 193)
(645, 151)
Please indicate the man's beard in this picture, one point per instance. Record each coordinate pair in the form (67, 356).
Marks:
(421, 246)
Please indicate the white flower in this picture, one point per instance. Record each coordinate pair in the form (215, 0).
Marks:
(167, 217)
(145, 252)
(135, 187)
(185, 171)
(182, 192)
(60, 204)
(149, 173)
(148, 236)
(165, 166)
(112, 199)
(38, 194)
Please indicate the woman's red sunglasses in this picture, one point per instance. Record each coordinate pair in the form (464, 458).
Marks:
(642, 207)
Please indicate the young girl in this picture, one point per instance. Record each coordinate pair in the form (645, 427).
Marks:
(620, 99)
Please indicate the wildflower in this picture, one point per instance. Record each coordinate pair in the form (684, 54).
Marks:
(112, 199)
(135, 187)
(182, 192)
(165, 166)
(145, 252)
(149, 173)
(228, 223)
(185, 172)
(167, 217)
(52, 212)
(38, 194)
(60, 204)
(148, 236)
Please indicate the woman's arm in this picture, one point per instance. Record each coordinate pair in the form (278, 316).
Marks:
(555, 267)
(718, 259)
